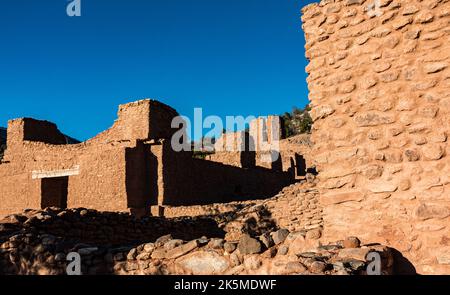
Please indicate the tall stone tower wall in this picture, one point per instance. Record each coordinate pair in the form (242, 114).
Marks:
(379, 83)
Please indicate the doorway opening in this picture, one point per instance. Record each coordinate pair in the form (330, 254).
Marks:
(54, 192)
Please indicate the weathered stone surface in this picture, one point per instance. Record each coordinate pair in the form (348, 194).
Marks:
(252, 262)
(216, 243)
(394, 109)
(380, 186)
(425, 212)
(402, 22)
(338, 198)
(352, 242)
(162, 240)
(159, 254)
(204, 263)
(424, 17)
(169, 245)
(431, 68)
(373, 119)
(149, 247)
(354, 253)
(182, 250)
(444, 256)
(321, 112)
(412, 155)
(279, 236)
(432, 152)
(314, 234)
(317, 267)
(249, 245)
(229, 247)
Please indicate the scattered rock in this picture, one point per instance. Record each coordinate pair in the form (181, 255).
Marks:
(229, 247)
(144, 256)
(317, 267)
(182, 250)
(266, 240)
(159, 253)
(169, 245)
(314, 234)
(295, 268)
(353, 253)
(216, 243)
(203, 263)
(249, 245)
(162, 240)
(132, 254)
(279, 236)
(252, 262)
(149, 247)
(283, 250)
(351, 242)
(235, 259)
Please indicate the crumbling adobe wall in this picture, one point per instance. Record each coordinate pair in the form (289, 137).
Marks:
(102, 179)
(380, 96)
(258, 146)
(190, 181)
(294, 157)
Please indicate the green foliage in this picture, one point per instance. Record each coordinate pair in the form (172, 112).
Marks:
(297, 122)
(201, 154)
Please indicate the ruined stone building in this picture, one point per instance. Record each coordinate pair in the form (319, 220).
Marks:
(131, 166)
(379, 81)
(264, 145)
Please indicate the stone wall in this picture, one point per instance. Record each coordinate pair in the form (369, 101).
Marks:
(189, 181)
(129, 167)
(38, 242)
(264, 145)
(379, 82)
(97, 170)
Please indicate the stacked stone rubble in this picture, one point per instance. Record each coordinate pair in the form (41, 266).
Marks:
(39, 242)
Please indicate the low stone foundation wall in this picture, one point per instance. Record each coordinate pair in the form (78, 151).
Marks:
(38, 242)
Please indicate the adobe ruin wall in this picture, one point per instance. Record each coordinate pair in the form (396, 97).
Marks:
(379, 83)
(98, 167)
(129, 167)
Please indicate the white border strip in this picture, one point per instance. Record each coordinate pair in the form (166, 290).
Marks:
(56, 173)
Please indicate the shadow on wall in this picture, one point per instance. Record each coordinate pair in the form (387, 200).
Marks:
(56, 231)
(402, 265)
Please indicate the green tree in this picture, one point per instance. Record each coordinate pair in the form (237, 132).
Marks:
(298, 121)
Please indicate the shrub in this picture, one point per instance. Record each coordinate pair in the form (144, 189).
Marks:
(297, 122)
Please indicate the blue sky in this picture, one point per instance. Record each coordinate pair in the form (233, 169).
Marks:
(230, 57)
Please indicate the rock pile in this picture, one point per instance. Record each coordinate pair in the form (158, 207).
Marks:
(38, 242)
(295, 208)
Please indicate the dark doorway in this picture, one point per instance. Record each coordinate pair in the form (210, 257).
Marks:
(301, 165)
(54, 192)
(142, 178)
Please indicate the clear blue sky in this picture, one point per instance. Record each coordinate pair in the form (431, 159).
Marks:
(230, 57)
